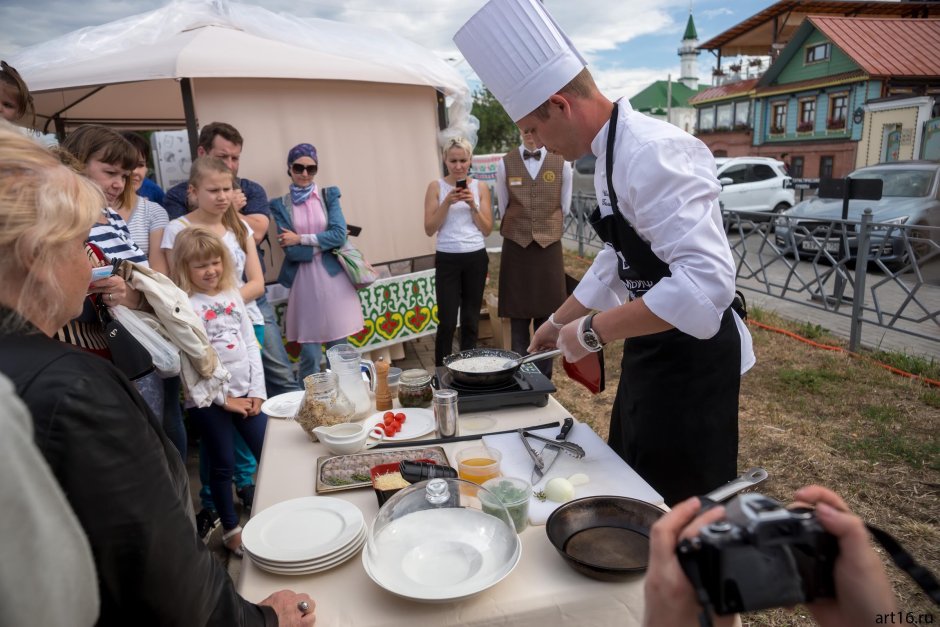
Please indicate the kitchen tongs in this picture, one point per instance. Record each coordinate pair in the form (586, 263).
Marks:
(568, 447)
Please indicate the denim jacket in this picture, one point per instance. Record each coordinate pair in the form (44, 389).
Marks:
(333, 237)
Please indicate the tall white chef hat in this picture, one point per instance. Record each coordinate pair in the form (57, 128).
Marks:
(519, 52)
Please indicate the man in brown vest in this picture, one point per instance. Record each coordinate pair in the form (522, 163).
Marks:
(534, 192)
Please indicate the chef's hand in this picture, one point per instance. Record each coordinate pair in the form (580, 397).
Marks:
(670, 599)
(569, 341)
(545, 338)
(287, 238)
(255, 407)
(239, 199)
(287, 604)
(862, 587)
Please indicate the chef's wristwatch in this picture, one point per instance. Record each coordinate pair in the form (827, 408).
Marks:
(588, 336)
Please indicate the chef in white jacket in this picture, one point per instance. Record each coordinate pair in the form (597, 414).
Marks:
(665, 279)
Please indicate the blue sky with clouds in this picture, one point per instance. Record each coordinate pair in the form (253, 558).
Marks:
(629, 43)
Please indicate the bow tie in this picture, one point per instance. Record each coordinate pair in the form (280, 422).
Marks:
(535, 154)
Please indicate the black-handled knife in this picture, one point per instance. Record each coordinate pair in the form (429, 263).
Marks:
(565, 428)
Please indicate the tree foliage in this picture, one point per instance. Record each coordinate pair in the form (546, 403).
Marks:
(497, 132)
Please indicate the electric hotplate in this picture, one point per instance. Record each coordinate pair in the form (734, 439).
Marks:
(527, 387)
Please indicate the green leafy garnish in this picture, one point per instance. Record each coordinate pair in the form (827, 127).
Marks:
(540, 495)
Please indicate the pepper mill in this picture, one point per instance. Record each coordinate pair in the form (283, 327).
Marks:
(383, 399)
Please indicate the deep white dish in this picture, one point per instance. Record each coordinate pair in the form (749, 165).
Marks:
(439, 555)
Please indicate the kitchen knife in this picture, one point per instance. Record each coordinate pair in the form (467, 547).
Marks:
(550, 453)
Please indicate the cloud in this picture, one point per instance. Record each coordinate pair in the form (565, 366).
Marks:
(710, 14)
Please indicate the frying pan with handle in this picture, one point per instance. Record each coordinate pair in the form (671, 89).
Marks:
(607, 537)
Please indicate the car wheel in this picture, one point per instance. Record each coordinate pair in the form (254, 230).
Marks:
(781, 207)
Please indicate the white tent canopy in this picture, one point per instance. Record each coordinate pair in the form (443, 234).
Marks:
(367, 98)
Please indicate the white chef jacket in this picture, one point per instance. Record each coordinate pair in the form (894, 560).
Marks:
(666, 187)
(532, 166)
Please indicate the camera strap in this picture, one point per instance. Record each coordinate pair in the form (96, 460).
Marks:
(903, 560)
(694, 575)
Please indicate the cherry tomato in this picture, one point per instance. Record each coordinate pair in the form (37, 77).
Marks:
(389, 431)
(396, 426)
(389, 418)
(400, 417)
(389, 414)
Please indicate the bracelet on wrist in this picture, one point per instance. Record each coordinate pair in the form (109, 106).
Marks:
(551, 320)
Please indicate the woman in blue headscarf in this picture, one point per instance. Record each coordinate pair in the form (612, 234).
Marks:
(323, 307)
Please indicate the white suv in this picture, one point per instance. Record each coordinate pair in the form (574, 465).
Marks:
(755, 184)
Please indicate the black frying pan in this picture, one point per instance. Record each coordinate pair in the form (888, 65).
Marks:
(607, 537)
(492, 377)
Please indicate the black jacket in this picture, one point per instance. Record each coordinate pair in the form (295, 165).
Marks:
(127, 485)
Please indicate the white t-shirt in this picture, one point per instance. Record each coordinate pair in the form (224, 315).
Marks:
(458, 233)
(147, 217)
(232, 337)
(175, 227)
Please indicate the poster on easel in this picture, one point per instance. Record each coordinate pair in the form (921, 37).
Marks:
(171, 160)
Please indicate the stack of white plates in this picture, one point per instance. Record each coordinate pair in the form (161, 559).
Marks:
(304, 536)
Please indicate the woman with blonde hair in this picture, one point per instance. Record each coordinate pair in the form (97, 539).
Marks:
(120, 474)
(457, 208)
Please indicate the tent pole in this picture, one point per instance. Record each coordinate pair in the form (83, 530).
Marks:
(189, 110)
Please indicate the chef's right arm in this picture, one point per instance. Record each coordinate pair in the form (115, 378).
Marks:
(600, 288)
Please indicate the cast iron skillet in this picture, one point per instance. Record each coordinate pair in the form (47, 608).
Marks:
(481, 379)
(607, 537)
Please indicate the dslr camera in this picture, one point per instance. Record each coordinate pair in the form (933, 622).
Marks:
(762, 555)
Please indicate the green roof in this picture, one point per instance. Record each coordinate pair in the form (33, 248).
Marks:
(690, 30)
(654, 96)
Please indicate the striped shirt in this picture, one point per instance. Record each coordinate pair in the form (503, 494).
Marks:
(146, 218)
(114, 239)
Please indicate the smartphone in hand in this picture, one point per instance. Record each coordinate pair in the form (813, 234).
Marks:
(353, 230)
(101, 273)
(462, 184)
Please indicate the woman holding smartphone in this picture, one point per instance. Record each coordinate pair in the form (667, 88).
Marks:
(323, 306)
(457, 208)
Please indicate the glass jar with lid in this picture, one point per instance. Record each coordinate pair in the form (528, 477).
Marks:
(324, 403)
(414, 388)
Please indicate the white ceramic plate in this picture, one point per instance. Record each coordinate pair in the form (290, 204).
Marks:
(283, 405)
(332, 562)
(442, 554)
(356, 542)
(302, 529)
(418, 422)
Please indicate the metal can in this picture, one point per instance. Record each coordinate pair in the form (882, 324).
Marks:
(445, 412)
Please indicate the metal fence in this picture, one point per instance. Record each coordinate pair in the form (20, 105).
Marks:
(816, 264)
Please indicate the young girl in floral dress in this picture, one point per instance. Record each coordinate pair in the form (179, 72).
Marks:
(204, 269)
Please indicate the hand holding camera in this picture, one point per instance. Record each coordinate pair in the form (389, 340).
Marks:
(756, 554)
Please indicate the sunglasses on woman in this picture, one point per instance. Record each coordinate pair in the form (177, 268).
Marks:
(299, 168)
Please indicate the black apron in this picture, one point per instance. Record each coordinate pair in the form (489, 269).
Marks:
(675, 417)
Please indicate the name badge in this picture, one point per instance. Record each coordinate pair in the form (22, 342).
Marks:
(515, 181)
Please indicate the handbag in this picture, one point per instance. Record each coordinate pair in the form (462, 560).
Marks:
(127, 354)
(360, 272)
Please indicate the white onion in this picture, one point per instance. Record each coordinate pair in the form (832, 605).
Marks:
(559, 490)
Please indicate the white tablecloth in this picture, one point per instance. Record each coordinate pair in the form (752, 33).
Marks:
(543, 590)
